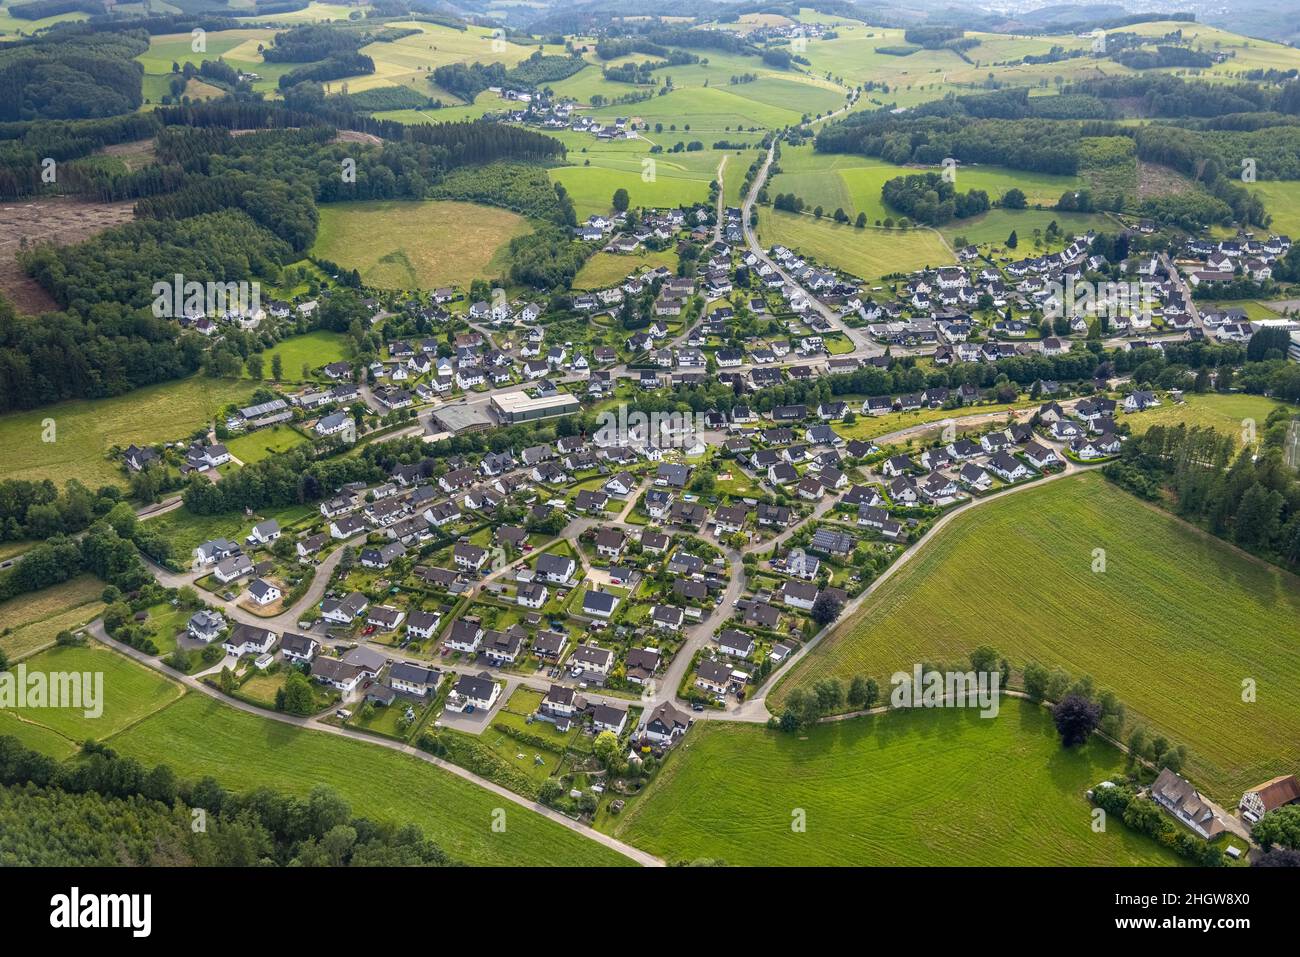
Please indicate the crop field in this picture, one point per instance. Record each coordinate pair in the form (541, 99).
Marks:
(866, 253)
(1174, 625)
(605, 269)
(130, 692)
(1227, 413)
(85, 429)
(941, 787)
(407, 245)
(30, 622)
(198, 736)
(312, 350)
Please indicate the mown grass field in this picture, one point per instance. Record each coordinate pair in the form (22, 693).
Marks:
(1226, 413)
(866, 253)
(311, 350)
(937, 788)
(30, 622)
(605, 269)
(854, 182)
(198, 736)
(85, 429)
(1282, 200)
(407, 245)
(263, 443)
(130, 693)
(996, 225)
(1174, 625)
(659, 180)
(11, 26)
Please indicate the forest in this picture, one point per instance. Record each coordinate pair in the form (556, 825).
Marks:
(929, 198)
(108, 810)
(1247, 498)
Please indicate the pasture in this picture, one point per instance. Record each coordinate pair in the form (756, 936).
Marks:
(1174, 624)
(915, 788)
(866, 253)
(130, 692)
(993, 228)
(198, 736)
(854, 182)
(29, 623)
(85, 429)
(658, 180)
(1282, 200)
(1226, 413)
(409, 245)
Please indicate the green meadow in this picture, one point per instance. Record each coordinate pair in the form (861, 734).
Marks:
(85, 429)
(409, 245)
(199, 736)
(1174, 625)
(938, 788)
(866, 253)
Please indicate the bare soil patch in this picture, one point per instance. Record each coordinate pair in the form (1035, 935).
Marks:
(60, 220)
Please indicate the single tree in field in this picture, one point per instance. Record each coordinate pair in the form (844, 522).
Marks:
(277, 366)
(621, 200)
(826, 609)
(1013, 240)
(1076, 717)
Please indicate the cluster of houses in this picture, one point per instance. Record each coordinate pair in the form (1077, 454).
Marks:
(1206, 261)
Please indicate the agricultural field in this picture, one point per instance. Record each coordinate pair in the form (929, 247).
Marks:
(408, 245)
(29, 623)
(131, 692)
(85, 429)
(1017, 574)
(12, 27)
(663, 179)
(866, 253)
(1282, 200)
(996, 225)
(198, 736)
(917, 788)
(605, 269)
(1226, 413)
(854, 182)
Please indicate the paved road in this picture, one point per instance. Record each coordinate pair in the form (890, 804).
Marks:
(863, 347)
(755, 709)
(96, 628)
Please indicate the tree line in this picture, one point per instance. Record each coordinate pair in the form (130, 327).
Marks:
(109, 809)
